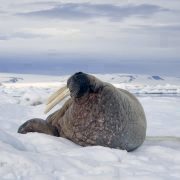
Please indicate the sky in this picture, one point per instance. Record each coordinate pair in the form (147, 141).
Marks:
(109, 36)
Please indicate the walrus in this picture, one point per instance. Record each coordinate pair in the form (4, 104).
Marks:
(97, 113)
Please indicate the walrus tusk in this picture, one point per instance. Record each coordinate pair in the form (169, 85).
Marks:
(56, 98)
(54, 95)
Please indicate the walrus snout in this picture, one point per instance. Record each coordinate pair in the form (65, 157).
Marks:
(78, 84)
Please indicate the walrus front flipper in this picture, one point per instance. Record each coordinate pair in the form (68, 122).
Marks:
(38, 125)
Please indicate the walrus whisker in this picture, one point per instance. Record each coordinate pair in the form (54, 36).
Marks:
(56, 100)
(54, 95)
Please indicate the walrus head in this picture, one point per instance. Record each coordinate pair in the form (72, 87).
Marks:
(78, 84)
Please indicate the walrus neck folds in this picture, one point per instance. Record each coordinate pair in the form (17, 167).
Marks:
(82, 99)
(95, 84)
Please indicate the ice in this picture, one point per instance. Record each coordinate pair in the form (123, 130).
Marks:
(40, 156)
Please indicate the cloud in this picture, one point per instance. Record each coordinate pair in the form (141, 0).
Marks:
(154, 29)
(20, 35)
(83, 11)
(50, 31)
(41, 3)
(3, 37)
(29, 33)
(2, 12)
(160, 27)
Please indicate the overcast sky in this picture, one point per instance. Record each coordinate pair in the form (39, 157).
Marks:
(125, 36)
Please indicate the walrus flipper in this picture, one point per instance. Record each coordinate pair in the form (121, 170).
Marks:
(38, 125)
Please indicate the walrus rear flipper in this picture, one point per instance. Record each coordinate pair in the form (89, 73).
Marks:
(38, 125)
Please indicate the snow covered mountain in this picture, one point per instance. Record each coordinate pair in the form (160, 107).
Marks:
(138, 84)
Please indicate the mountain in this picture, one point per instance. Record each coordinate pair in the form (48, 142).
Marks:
(138, 84)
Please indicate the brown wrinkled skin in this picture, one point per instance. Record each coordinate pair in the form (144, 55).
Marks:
(102, 118)
(106, 116)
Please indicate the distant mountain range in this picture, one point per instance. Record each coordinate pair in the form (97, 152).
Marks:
(137, 84)
(113, 78)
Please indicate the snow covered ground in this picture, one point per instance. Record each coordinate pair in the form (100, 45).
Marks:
(39, 156)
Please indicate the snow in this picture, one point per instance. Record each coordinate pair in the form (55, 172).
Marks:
(40, 156)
